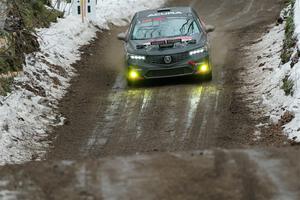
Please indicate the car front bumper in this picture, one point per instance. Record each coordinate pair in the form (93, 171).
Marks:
(186, 68)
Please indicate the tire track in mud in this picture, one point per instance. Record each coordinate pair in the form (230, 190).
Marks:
(129, 120)
(210, 174)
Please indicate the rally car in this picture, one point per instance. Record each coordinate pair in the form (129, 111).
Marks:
(167, 42)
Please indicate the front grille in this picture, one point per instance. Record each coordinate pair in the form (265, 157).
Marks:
(168, 72)
(160, 59)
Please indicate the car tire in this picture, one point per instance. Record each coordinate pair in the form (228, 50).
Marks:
(131, 83)
(208, 77)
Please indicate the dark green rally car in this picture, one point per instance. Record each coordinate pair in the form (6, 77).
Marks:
(166, 42)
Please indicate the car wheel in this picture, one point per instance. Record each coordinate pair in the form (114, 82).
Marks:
(131, 83)
(208, 77)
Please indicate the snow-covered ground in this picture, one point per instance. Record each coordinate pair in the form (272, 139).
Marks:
(27, 113)
(267, 74)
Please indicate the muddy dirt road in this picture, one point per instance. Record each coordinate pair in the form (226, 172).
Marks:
(207, 175)
(148, 142)
(105, 118)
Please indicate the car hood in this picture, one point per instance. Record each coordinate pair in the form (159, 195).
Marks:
(152, 47)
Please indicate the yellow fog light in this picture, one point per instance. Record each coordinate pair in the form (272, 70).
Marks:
(133, 74)
(203, 68)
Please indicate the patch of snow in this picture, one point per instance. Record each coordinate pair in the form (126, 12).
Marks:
(257, 135)
(27, 113)
(62, 5)
(3, 183)
(8, 195)
(267, 73)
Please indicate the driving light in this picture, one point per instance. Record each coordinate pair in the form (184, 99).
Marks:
(133, 75)
(136, 57)
(198, 51)
(203, 68)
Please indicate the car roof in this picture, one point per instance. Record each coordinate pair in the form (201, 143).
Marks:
(179, 11)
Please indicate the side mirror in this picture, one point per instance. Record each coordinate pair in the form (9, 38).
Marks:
(209, 28)
(122, 37)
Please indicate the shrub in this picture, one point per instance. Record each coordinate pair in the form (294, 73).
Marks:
(5, 85)
(289, 41)
(24, 17)
(288, 86)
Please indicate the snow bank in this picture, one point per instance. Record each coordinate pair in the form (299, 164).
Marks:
(293, 128)
(27, 113)
(267, 74)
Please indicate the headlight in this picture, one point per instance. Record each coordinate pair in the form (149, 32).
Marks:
(136, 57)
(198, 51)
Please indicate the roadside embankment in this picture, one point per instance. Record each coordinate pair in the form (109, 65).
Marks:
(274, 78)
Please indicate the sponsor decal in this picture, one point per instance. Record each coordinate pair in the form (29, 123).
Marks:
(154, 19)
(164, 13)
(165, 40)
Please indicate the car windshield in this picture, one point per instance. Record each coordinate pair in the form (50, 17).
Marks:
(164, 27)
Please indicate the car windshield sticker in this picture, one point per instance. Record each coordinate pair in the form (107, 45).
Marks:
(153, 19)
(165, 13)
(155, 42)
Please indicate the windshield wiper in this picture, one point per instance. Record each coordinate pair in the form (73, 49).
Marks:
(182, 27)
(191, 26)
